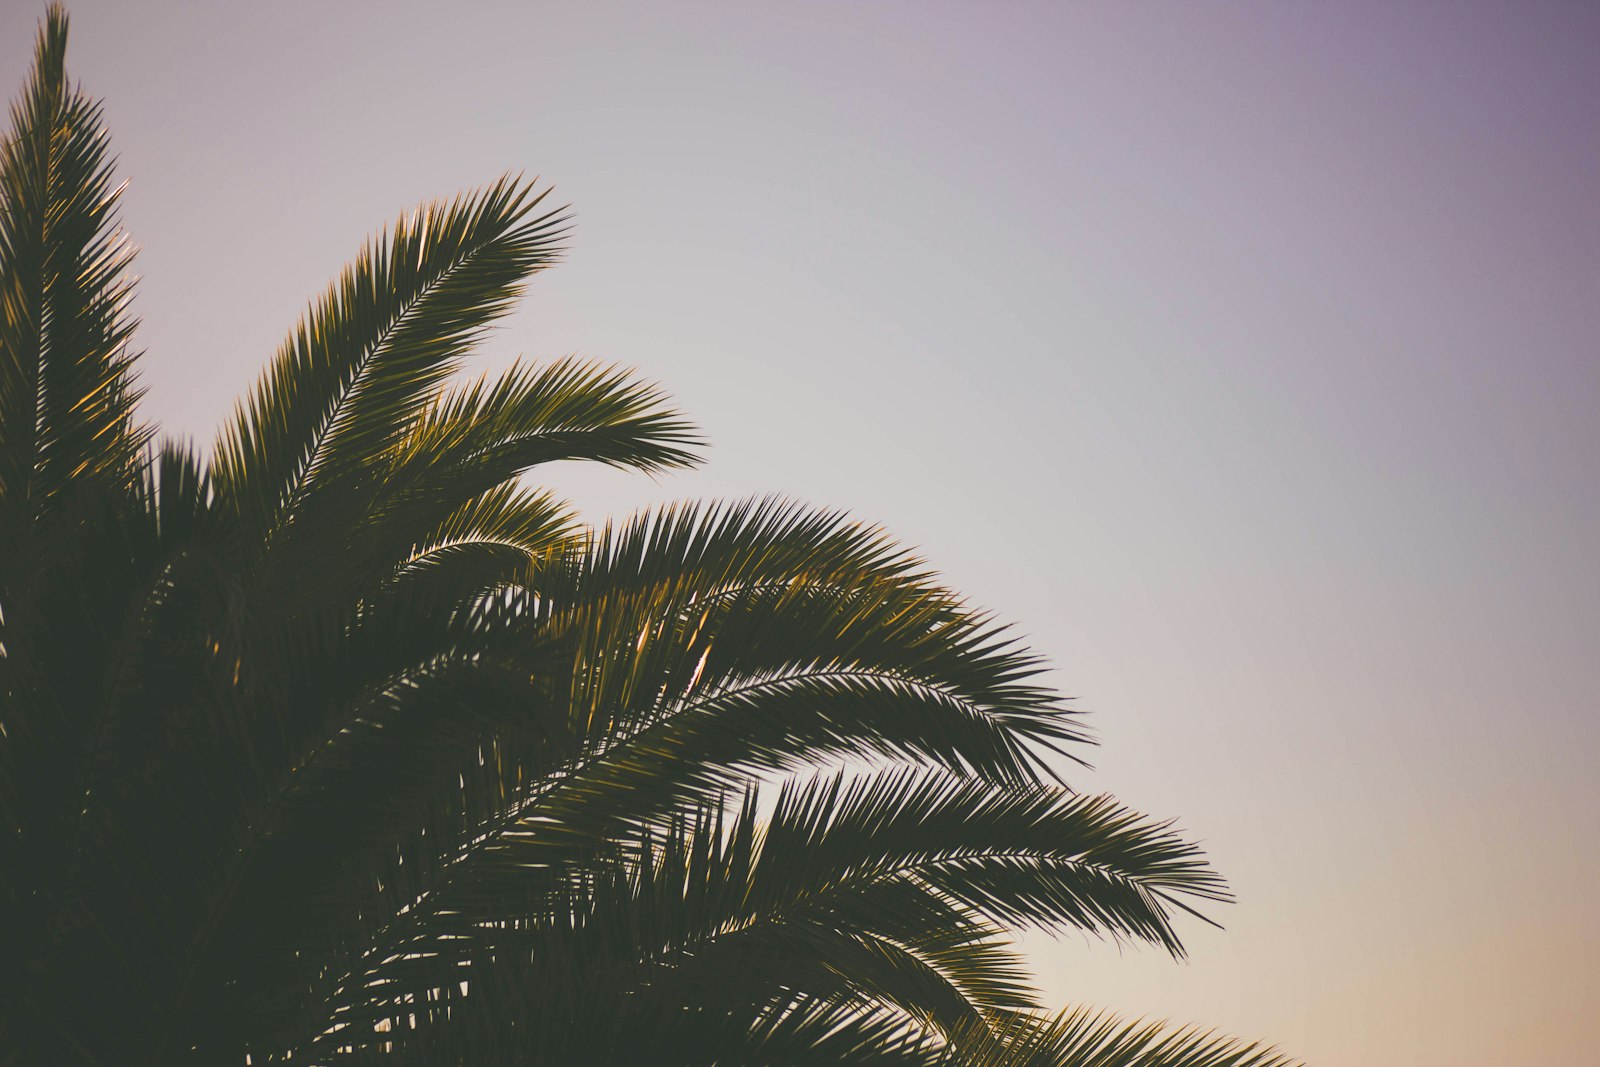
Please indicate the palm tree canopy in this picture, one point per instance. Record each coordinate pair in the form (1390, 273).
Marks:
(340, 742)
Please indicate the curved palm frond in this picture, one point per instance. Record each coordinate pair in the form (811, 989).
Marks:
(459, 457)
(349, 381)
(835, 893)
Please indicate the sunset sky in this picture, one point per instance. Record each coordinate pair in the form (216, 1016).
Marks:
(1245, 355)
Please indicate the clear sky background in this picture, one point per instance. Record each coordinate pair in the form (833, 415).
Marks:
(1246, 355)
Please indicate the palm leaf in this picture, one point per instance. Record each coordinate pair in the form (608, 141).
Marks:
(348, 382)
(902, 881)
(66, 385)
(463, 448)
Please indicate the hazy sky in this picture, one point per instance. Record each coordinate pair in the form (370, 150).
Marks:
(1246, 355)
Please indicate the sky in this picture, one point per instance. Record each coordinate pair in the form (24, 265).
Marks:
(1246, 356)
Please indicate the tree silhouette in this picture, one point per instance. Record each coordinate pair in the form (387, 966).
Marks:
(338, 742)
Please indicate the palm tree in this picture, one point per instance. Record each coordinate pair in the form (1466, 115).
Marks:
(339, 743)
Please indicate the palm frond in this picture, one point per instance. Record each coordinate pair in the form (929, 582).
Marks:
(348, 382)
(1086, 1038)
(464, 446)
(903, 881)
(689, 602)
(1042, 856)
(568, 409)
(66, 374)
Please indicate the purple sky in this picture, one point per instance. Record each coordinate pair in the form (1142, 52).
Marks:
(1246, 355)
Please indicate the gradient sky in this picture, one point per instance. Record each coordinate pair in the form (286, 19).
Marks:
(1246, 355)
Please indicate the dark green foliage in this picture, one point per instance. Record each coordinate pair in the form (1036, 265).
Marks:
(342, 744)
